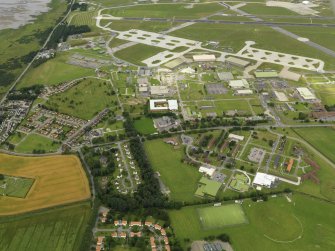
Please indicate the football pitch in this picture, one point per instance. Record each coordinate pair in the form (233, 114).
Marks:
(221, 216)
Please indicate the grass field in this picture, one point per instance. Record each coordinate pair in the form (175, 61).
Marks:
(167, 11)
(218, 217)
(303, 224)
(54, 229)
(54, 71)
(124, 25)
(36, 142)
(167, 161)
(235, 35)
(137, 53)
(58, 180)
(84, 100)
(15, 186)
(321, 138)
(326, 93)
(144, 126)
(261, 9)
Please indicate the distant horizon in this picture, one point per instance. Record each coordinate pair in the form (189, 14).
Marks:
(15, 13)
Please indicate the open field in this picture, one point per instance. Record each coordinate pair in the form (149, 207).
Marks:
(144, 126)
(124, 25)
(15, 186)
(218, 217)
(54, 229)
(137, 53)
(167, 161)
(16, 43)
(235, 35)
(320, 35)
(84, 100)
(54, 71)
(321, 138)
(58, 180)
(325, 92)
(36, 142)
(262, 9)
(310, 224)
(167, 11)
(84, 18)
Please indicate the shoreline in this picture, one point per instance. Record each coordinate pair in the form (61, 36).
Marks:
(15, 13)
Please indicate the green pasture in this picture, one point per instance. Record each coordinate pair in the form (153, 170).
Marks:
(53, 72)
(167, 11)
(168, 162)
(36, 142)
(53, 229)
(85, 100)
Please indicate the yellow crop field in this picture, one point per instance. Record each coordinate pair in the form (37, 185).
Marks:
(58, 180)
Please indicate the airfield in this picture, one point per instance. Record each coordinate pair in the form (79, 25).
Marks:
(233, 105)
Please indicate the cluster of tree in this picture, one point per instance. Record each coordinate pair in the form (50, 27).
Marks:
(79, 6)
(148, 192)
(330, 108)
(205, 140)
(26, 93)
(63, 31)
(256, 195)
(94, 158)
(6, 78)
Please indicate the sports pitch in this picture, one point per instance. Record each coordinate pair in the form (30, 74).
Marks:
(218, 217)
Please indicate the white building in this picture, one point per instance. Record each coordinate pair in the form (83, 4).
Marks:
(235, 137)
(244, 92)
(239, 84)
(159, 105)
(265, 180)
(207, 170)
(204, 58)
(305, 93)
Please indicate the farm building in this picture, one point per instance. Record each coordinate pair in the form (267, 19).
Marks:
(208, 188)
(204, 58)
(239, 84)
(266, 74)
(237, 62)
(207, 170)
(265, 180)
(306, 94)
(159, 105)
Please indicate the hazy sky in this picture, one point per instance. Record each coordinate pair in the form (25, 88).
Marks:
(14, 13)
